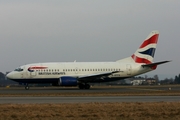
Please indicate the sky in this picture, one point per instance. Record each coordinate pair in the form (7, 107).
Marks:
(33, 31)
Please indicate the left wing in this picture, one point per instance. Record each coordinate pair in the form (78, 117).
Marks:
(94, 77)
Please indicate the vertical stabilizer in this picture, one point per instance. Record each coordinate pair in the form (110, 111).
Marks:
(146, 51)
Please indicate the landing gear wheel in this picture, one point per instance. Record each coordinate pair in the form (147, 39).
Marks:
(87, 86)
(81, 86)
(27, 87)
(84, 86)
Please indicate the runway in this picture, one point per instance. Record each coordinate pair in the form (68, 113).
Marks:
(32, 90)
(112, 89)
(74, 95)
(37, 100)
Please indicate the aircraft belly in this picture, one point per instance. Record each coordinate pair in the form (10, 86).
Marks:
(50, 80)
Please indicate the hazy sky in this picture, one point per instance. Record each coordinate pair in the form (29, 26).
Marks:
(87, 30)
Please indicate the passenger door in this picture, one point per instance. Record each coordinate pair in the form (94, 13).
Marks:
(32, 73)
(22, 74)
(129, 69)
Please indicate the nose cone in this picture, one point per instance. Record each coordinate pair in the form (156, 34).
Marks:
(10, 75)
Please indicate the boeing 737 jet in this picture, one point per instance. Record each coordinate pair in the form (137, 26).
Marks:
(82, 73)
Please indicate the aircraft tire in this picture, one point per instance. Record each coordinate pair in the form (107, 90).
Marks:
(81, 86)
(27, 87)
(87, 86)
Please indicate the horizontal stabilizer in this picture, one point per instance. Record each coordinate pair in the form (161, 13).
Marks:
(154, 64)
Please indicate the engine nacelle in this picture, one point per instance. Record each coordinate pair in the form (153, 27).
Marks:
(67, 81)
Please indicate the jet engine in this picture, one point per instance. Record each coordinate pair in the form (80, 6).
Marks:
(67, 81)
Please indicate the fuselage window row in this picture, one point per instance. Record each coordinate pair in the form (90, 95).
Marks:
(70, 70)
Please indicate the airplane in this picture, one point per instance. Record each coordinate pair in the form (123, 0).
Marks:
(81, 74)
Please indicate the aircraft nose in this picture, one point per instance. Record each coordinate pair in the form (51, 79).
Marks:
(9, 75)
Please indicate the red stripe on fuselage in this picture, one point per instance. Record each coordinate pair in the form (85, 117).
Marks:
(37, 67)
(140, 60)
(151, 40)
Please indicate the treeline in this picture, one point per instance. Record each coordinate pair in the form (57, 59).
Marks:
(2, 76)
(177, 79)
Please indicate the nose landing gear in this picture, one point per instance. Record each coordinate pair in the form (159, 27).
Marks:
(27, 87)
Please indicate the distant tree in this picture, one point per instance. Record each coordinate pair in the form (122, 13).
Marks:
(140, 77)
(156, 78)
(167, 81)
(2, 76)
(177, 79)
(171, 79)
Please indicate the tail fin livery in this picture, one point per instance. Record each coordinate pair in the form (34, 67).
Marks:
(146, 51)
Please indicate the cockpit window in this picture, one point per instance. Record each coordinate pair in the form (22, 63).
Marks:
(18, 69)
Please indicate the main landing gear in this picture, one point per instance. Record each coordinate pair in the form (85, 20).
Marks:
(84, 86)
(27, 87)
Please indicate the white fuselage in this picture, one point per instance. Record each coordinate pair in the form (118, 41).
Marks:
(77, 69)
